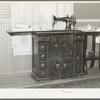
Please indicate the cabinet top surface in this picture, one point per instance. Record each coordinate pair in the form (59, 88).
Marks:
(48, 32)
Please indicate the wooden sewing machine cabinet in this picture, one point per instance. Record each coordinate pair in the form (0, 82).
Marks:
(59, 54)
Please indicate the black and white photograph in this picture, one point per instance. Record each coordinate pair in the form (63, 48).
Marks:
(49, 45)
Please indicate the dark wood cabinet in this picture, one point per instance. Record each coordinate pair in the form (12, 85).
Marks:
(57, 54)
(60, 54)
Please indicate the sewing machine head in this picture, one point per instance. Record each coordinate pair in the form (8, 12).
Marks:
(70, 21)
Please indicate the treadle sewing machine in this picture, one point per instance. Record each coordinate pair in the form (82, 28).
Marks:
(59, 54)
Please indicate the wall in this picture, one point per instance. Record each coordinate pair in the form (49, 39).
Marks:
(10, 64)
(30, 14)
(39, 14)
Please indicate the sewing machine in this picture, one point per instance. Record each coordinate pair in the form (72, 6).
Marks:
(70, 21)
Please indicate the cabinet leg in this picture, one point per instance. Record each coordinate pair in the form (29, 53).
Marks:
(85, 70)
(99, 53)
(93, 49)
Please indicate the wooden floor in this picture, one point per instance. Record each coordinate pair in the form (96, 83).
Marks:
(26, 81)
(16, 81)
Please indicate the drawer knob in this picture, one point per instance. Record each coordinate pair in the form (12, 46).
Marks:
(42, 74)
(57, 65)
(65, 65)
(56, 45)
(64, 45)
(42, 56)
(79, 38)
(42, 47)
(43, 65)
(70, 53)
(78, 58)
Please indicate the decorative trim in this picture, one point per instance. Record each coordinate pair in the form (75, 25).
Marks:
(88, 20)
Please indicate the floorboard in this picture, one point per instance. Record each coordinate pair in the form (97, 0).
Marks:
(26, 81)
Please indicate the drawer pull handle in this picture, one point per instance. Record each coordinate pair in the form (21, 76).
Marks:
(56, 45)
(64, 45)
(78, 58)
(65, 65)
(42, 56)
(43, 65)
(57, 66)
(42, 47)
(79, 37)
(70, 53)
(42, 74)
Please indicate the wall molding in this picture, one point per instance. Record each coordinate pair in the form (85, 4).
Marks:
(88, 20)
